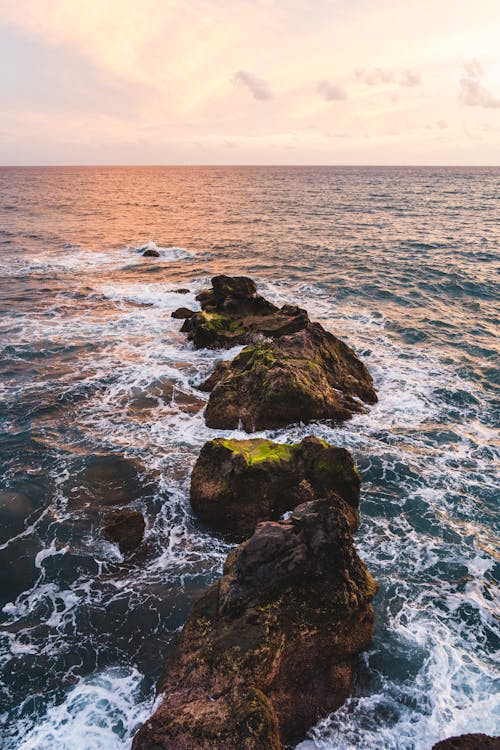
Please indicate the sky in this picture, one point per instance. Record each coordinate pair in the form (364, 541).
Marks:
(250, 82)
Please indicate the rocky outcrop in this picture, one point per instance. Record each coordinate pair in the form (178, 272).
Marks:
(291, 370)
(126, 529)
(233, 313)
(271, 647)
(303, 377)
(235, 484)
(469, 742)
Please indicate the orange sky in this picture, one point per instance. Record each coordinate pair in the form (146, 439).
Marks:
(262, 81)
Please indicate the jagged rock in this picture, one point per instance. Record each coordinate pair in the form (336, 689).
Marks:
(183, 312)
(469, 742)
(291, 370)
(151, 253)
(237, 483)
(125, 528)
(271, 647)
(233, 313)
(301, 377)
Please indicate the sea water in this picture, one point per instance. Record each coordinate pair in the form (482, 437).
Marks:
(402, 263)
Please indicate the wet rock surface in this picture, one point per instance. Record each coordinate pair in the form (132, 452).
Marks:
(303, 377)
(183, 312)
(235, 484)
(99, 481)
(233, 313)
(291, 370)
(125, 528)
(469, 742)
(271, 647)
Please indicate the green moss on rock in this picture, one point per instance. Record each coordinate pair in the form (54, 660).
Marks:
(235, 484)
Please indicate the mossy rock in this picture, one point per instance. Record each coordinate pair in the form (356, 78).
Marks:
(307, 376)
(235, 484)
(233, 313)
(272, 646)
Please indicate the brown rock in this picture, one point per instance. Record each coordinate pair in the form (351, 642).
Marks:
(233, 313)
(235, 484)
(125, 528)
(183, 312)
(151, 253)
(469, 742)
(302, 377)
(271, 647)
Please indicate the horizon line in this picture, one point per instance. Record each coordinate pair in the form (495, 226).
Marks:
(189, 165)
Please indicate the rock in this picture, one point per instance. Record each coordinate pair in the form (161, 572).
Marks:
(99, 481)
(301, 377)
(233, 313)
(125, 528)
(16, 508)
(235, 484)
(183, 312)
(217, 373)
(271, 647)
(291, 370)
(469, 742)
(181, 291)
(151, 252)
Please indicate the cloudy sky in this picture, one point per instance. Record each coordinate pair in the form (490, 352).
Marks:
(249, 82)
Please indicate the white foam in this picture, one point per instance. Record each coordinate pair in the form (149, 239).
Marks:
(102, 712)
(166, 253)
(450, 689)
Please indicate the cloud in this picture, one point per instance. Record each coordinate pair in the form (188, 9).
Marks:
(379, 77)
(409, 78)
(374, 76)
(472, 91)
(256, 86)
(331, 92)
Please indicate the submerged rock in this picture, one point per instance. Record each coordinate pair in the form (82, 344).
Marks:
(271, 647)
(469, 742)
(125, 528)
(302, 377)
(237, 483)
(103, 480)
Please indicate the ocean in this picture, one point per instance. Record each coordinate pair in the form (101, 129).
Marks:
(402, 263)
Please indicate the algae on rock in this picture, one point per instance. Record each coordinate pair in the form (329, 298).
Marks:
(235, 484)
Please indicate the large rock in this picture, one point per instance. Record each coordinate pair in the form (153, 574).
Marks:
(237, 483)
(291, 370)
(301, 377)
(271, 647)
(469, 742)
(233, 313)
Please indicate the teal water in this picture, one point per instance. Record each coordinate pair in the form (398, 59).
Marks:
(400, 262)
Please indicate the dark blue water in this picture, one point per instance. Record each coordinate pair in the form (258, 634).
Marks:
(400, 262)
